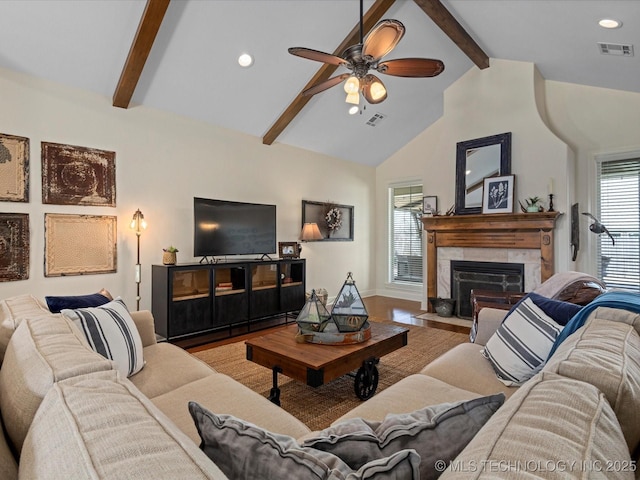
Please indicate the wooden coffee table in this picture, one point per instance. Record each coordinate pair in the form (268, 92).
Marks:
(317, 364)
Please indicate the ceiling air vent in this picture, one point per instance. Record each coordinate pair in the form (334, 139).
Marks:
(616, 49)
(376, 119)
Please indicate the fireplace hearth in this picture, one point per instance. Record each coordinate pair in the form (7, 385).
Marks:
(495, 276)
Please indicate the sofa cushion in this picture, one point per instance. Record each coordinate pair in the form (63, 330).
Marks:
(554, 428)
(58, 303)
(436, 433)
(606, 354)
(409, 394)
(167, 367)
(12, 311)
(520, 346)
(221, 394)
(8, 465)
(243, 450)
(100, 426)
(111, 332)
(41, 352)
(464, 367)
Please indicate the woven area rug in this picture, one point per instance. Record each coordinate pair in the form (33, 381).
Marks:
(319, 407)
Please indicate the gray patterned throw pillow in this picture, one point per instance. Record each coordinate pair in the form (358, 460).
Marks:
(244, 451)
(437, 433)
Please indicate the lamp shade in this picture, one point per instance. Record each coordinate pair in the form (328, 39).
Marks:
(310, 232)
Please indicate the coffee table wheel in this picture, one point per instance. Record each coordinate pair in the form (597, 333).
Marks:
(366, 381)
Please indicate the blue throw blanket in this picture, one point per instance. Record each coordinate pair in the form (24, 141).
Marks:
(624, 300)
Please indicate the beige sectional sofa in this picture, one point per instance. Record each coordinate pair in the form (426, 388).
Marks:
(68, 413)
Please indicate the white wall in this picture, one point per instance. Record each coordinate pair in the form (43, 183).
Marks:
(594, 121)
(162, 162)
(502, 98)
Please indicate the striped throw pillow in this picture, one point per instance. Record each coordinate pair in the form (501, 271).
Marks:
(521, 345)
(111, 332)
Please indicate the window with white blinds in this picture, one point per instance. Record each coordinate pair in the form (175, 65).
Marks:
(405, 235)
(619, 211)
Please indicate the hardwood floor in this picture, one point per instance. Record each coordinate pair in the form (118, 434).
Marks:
(395, 309)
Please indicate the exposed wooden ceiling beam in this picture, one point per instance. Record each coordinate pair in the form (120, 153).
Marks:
(373, 16)
(456, 32)
(145, 36)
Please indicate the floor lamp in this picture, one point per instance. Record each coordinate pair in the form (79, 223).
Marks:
(138, 224)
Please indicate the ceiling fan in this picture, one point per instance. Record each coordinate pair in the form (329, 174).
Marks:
(367, 55)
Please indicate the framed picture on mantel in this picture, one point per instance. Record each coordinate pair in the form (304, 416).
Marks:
(498, 194)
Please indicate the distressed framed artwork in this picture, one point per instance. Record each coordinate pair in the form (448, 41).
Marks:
(79, 244)
(78, 176)
(14, 246)
(14, 168)
(334, 221)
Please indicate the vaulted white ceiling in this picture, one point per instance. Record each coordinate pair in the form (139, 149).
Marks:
(192, 69)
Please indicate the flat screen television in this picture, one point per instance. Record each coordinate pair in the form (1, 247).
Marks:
(233, 228)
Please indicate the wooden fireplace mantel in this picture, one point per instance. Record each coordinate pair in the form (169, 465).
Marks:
(500, 230)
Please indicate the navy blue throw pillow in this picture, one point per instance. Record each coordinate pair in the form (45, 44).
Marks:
(56, 304)
(560, 312)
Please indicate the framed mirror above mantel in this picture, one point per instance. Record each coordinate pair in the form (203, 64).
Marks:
(476, 160)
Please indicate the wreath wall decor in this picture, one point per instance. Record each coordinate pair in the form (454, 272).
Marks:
(333, 217)
(334, 221)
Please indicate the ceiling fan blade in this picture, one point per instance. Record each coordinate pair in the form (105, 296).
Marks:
(316, 55)
(373, 89)
(382, 39)
(411, 67)
(322, 86)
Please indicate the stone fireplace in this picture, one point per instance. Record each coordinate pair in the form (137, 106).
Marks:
(520, 238)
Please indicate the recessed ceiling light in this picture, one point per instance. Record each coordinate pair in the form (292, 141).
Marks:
(610, 23)
(353, 110)
(245, 60)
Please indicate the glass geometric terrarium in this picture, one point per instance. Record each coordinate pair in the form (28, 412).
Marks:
(348, 312)
(314, 316)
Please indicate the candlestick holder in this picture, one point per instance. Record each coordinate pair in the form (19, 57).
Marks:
(551, 203)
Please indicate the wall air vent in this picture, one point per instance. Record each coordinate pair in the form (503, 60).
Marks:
(616, 49)
(376, 119)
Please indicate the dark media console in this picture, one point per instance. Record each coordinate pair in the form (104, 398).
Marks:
(197, 303)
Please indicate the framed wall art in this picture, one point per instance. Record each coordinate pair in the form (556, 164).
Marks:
(14, 246)
(334, 221)
(498, 194)
(429, 206)
(14, 168)
(79, 244)
(78, 176)
(289, 249)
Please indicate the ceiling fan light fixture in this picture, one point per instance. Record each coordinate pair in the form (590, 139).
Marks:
(374, 90)
(377, 90)
(352, 85)
(353, 98)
